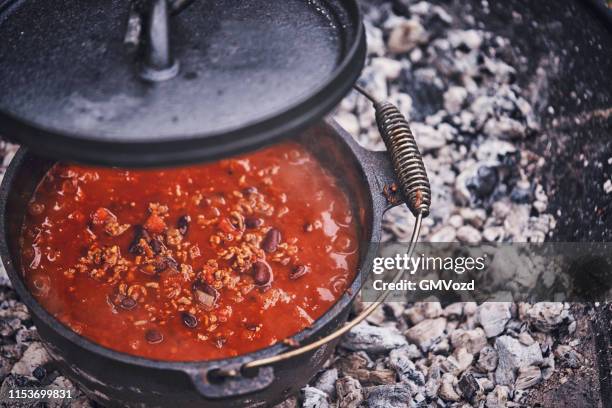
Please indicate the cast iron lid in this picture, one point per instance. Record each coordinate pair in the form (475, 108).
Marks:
(159, 82)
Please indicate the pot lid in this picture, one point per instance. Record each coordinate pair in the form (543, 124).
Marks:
(159, 82)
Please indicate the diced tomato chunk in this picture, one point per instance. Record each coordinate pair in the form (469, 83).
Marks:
(155, 224)
(101, 216)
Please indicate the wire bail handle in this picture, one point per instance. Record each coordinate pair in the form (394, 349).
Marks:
(410, 171)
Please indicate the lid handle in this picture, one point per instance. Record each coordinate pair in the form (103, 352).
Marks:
(159, 63)
(148, 31)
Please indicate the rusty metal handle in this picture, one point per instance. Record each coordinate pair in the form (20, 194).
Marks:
(405, 155)
(411, 174)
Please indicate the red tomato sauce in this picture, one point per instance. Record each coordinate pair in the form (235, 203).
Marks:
(194, 263)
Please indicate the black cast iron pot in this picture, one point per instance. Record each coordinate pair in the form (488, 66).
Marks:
(117, 379)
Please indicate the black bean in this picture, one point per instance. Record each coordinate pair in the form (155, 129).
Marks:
(160, 264)
(189, 320)
(183, 224)
(298, 272)
(145, 234)
(127, 303)
(204, 287)
(262, 273)
(205, 294)
(154, 336)
(253, 222)
(251, 326)
(139, 233)
(165, 262)
(135, 248)
(271, 240)
(156, 245)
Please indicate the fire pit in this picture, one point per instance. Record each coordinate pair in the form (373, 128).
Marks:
(545, 46)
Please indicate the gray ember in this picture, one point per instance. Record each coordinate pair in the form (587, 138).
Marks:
(484, 182)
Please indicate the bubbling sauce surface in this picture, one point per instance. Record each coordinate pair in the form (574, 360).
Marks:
(194, 263)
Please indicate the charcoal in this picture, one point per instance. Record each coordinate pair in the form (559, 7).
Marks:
(314, 398)
(385, 396)
(373, 339)
(349, 392)
(327, 382)
(426, 333)
(400, 361)
(511, 356)
(493, 317)
(484, 182)
(468, 386)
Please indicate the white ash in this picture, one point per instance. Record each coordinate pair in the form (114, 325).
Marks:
(400, 360)
(350, 394)
(421, 311)
(327, 382)
(469, 234)
(35, 356)
(314, 398)
(607, 186)
(470, 127)
(472, 340)
(513, 355)
(493, 317)
(462, 360)
(498, 398)
(527, 377)
(426, 333)
(385, 396)
(547, 316)
(466, 113)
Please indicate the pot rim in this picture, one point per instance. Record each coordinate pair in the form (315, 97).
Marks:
(371, 182)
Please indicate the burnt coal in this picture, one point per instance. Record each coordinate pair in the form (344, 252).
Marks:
(484, 182)
(521, 194)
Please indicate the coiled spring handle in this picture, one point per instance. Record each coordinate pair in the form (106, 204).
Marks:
(405, 156)
(412, 177)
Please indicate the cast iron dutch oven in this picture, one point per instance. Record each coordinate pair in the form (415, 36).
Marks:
(277, 68)
(116, 379)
